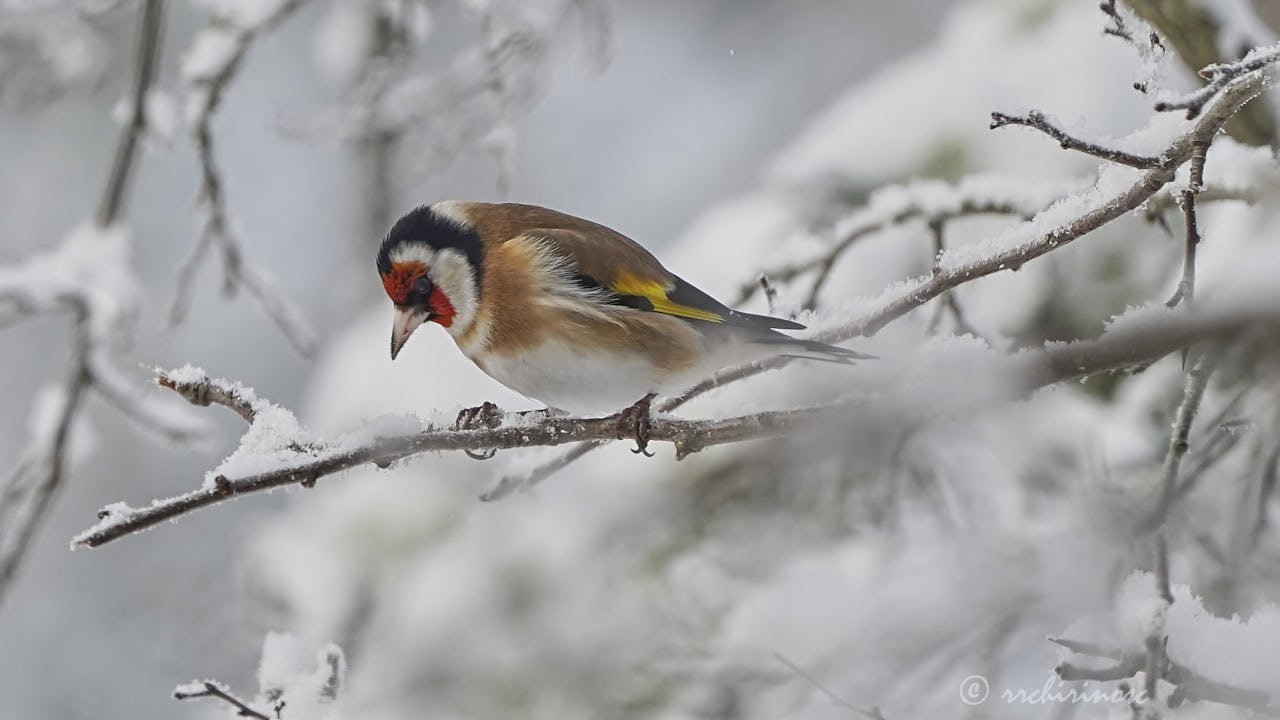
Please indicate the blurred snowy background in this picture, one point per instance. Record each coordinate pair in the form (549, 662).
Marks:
(731, 137)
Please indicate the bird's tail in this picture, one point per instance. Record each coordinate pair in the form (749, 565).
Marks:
(812, 349)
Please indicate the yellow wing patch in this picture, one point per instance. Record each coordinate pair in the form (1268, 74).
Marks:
(627, 284)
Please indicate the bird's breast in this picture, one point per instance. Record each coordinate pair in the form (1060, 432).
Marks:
(582, 382)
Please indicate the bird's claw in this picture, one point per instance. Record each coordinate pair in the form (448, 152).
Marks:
(634, 422)
(486, 415)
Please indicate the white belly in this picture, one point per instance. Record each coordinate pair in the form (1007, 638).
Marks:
(582, 383)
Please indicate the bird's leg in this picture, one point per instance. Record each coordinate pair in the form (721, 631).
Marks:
(486, 415)
(635, 422)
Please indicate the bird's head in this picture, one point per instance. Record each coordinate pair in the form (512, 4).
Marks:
(430, 263)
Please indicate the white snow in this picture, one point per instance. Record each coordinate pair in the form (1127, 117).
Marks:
(92, 264)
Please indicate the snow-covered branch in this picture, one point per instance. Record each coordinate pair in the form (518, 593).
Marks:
(291, 684)
(1036, 121)
(1221, 76)
(275, 453)
(931, 202)
(1188, 685)
(1051, 230)
(90, 277)
(209, 66)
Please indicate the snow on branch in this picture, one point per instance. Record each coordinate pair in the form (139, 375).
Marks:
(1221, 76)
(930, 201)
(88, 276)
(276, 453)
(291, 683)
(1196, 648)
(1064, 222)
(209, 67)
(1188, 684)
(1036, 121)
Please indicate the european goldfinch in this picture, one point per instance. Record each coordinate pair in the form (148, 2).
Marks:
(566, 311)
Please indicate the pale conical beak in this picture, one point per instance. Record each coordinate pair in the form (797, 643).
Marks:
(406, 321)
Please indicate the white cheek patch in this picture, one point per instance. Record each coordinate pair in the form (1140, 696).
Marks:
(451, 272)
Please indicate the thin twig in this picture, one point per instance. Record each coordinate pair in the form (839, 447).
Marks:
(1036, 120)
(1156, 643)
(212, 690)
(1191, 685)
(824, 263)
(1117, 26)
(205, 392)
(29, 491)
(144, 73)
(948, 300)
(872, 712)
(1028, 371)
(207, 92)
(1187, 285)
(1220, 76)
(1193, 392)
(1221, 436)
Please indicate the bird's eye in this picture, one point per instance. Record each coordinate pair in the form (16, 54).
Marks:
(422, 285)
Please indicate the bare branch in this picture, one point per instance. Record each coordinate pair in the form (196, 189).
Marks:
(207, 86)
(1036, 120)
(144, 73)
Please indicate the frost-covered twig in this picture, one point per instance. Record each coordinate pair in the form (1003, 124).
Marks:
(209, 67)
(1036, 120)
(922, 290)
(294, 683)
(199, 389)
(929, 201)
(1189, 685)
(1118, 27)
(1221, 76)
(210, 689)
(948, 300)
(1121, 347)
(1187, 285)
(1192, 394)
(1165, 201)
